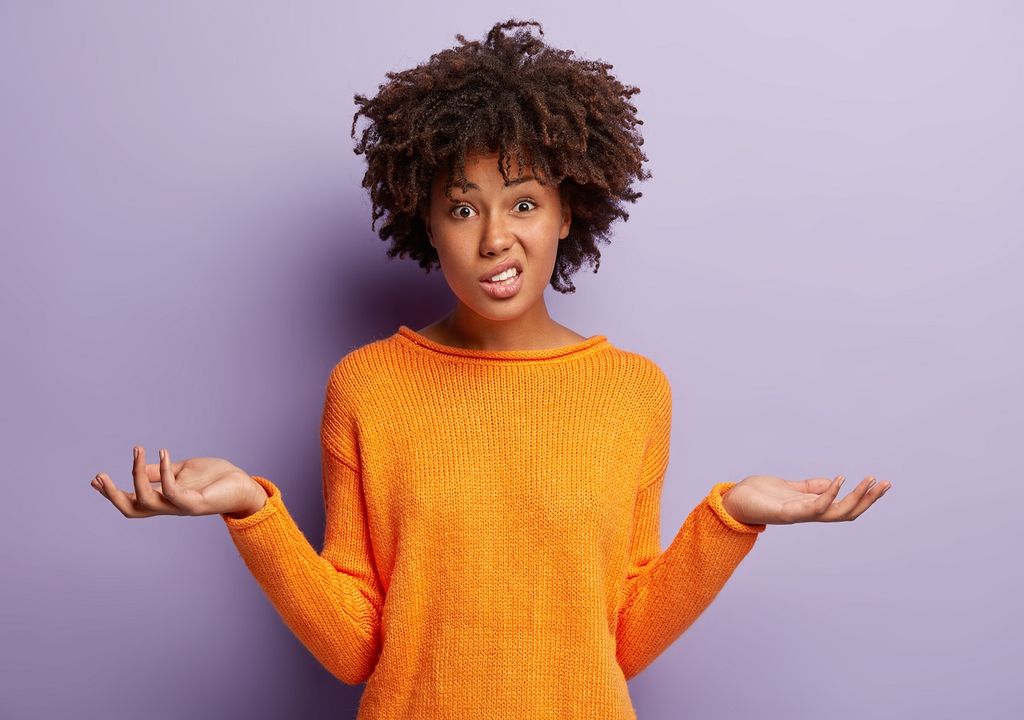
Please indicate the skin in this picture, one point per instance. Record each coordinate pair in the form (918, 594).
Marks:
(197, 486)
(774, 501)
(208, 486)
(473, 230)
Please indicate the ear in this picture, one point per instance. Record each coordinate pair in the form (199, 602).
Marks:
(563, 232)
(425, 216)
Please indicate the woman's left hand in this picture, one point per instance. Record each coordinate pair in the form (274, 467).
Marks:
(773, 501)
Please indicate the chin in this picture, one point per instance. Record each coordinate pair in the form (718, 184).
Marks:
(500, 310)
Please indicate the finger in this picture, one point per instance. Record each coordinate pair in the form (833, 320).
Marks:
(163, 506)
(125, 502)
(144, 493)
(816, 485)
(876, 491)
(823, 502)
(168, 483)
(153, 472)
(842, 509)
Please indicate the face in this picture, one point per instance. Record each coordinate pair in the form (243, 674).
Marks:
(478, 228)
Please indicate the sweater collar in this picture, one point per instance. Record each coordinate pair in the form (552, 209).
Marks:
(563, 351)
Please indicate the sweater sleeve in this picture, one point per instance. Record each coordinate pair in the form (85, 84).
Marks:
(330, 600)
(666, 592)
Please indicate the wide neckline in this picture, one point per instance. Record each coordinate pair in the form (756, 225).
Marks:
(406, 333)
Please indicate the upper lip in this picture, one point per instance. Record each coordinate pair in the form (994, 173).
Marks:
(502, 267)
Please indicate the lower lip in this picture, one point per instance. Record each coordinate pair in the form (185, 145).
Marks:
(500, 291)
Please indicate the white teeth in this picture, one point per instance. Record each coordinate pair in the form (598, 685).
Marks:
(510, 273)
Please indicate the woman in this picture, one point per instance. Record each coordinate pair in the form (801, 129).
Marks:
(492, 481)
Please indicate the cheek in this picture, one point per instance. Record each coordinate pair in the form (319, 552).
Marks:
(541, 263)
(457, 266)
(545, 249)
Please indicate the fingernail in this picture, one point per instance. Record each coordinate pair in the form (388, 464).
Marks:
(163, 454)
(135, 451)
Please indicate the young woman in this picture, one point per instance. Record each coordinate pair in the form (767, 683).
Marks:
(492, 481)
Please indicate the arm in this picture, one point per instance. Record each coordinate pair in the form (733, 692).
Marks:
(330, 601)
(667, 591)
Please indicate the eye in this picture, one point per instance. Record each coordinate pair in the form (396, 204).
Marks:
(463, 216)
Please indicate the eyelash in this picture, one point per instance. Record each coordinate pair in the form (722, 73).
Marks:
(526, 200)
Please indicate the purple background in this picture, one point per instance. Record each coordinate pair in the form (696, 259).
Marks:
(826, 264)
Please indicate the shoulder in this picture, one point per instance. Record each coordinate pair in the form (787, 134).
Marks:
(364, 362)
(351, 384)
(643, 386)
(652, 391)
(642, 374)
(358, 374)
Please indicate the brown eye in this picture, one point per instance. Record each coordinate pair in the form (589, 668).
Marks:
(525, 202)
(462, 207)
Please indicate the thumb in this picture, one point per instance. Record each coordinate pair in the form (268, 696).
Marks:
(817, 485)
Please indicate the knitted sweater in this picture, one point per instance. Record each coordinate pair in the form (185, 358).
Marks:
(492, 543)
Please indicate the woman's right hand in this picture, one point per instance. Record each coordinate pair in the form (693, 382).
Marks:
(197, 486)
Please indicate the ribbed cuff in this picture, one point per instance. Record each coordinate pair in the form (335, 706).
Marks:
(271, 506)
(714, 499)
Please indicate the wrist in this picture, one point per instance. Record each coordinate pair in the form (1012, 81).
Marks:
(730, 507)
(259, 499)
(726, 509)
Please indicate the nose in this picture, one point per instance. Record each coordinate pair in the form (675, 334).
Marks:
(496, 235)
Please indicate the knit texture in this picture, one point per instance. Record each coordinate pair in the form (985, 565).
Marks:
(492, 545)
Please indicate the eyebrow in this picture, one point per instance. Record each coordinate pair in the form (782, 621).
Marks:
(516, 181)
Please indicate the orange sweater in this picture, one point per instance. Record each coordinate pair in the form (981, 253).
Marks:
(492, 542)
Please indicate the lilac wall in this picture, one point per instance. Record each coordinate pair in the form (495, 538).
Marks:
(826, 264)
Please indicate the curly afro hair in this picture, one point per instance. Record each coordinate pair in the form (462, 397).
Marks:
(567, 118)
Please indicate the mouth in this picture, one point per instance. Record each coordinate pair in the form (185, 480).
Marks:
(500, 268)
(502, 289)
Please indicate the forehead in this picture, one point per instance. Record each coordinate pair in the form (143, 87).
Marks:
(488, 161)
(482, 169)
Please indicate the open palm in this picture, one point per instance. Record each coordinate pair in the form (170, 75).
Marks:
(197, 486)
(772, 500)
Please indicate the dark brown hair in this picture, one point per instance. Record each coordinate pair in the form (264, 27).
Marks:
(568, 118)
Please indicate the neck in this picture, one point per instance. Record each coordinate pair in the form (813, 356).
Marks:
(533, 329)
